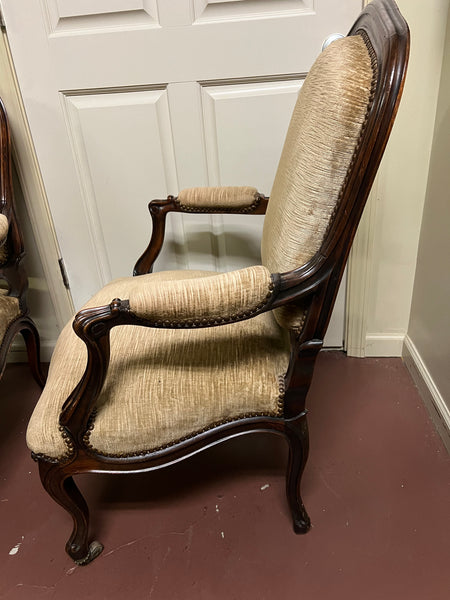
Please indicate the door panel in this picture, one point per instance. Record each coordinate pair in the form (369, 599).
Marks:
(257, 114)
(220, 10)
(109, 131)
(75, 16)
(130, 100)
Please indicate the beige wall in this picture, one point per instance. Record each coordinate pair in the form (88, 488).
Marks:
(429, 326)
(399, 195)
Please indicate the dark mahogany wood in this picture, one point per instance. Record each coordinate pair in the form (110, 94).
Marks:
(314, 285)
(12, 271)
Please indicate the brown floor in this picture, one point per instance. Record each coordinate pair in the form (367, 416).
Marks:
(217, 526)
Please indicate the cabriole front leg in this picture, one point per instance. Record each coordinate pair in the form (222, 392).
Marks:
(62, 488)
(298, 438)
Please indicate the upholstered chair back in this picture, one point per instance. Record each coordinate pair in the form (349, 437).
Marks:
(4, 226)
(320, 146)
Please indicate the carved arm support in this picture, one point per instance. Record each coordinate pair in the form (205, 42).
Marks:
(231, 200)
(93, 326)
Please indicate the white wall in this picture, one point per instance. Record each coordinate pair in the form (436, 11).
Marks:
(427, 347)
(400, 191)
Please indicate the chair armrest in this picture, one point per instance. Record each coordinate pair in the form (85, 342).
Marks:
(4, 226)
(240, 200)
(231, 200)
(204, 301)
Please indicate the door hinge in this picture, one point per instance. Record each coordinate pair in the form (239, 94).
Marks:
(65, 278)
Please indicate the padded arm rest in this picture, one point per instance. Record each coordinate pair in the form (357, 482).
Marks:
(237, 200)
(219, 199)
(204, 301)
(4, 226)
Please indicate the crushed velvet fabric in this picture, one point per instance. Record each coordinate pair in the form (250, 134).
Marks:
(218, 198)
(321, 141)
(165, 384)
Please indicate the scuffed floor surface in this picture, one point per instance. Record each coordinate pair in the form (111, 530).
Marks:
(377, 487)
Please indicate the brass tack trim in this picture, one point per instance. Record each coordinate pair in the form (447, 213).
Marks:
(301, 325)
(217, 209)
(282, 391)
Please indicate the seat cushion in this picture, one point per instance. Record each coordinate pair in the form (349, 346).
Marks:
(9, 310)
(164, 385)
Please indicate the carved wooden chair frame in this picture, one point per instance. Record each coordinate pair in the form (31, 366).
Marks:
(12, 270)
(387, 37)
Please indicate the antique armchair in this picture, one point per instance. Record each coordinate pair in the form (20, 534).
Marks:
(14, 317)
(157, 366)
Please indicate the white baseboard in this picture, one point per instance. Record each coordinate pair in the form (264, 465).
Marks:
(433, 400)
(384, 344)
(18, 353)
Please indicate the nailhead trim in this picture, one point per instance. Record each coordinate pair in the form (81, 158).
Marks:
(282, 391)
(299, 328)
(90, 427)
(59, 459)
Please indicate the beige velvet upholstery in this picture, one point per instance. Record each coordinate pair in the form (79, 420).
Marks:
(218, 199)
(212, 299)
(165, 384)
(4, 226)
(316, 157)
(3, 254)
(9, 310)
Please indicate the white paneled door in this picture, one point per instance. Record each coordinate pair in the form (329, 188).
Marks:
(130, 100)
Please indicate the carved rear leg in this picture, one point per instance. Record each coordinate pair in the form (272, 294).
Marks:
(298, 437)
(31, 337)
(63, 490)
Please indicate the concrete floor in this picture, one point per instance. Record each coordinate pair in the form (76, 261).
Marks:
(377, 487)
